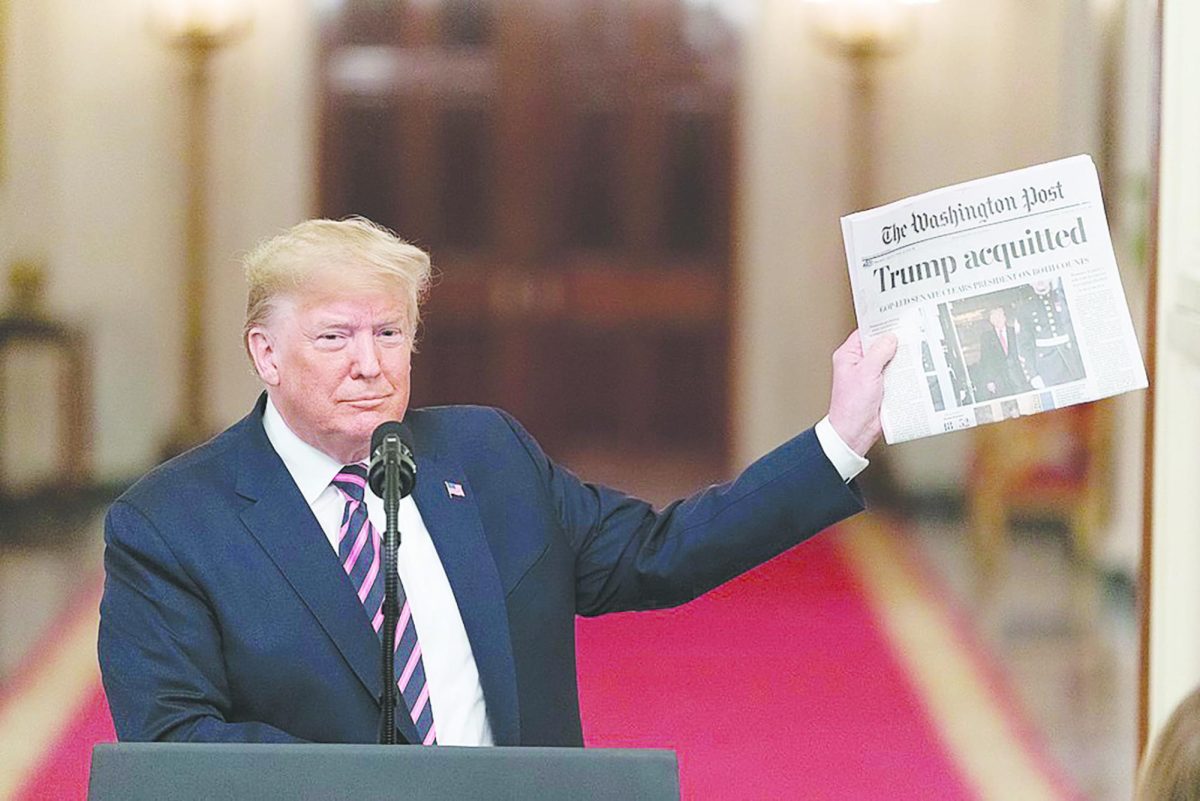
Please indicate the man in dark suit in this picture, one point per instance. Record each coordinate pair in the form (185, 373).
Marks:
(1000, 369)
(243, 586)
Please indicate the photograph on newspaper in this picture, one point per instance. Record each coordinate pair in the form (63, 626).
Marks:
(1003, 293)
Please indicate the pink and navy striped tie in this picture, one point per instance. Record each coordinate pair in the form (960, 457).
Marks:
(361, 555)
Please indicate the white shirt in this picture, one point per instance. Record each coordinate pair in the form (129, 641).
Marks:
(848, 463)
(455, 693)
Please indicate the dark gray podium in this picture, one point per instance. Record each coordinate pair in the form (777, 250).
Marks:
(190, 772)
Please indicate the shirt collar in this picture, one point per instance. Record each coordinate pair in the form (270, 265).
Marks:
(312, 470)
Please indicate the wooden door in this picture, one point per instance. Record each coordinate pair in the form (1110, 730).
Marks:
(568, 165)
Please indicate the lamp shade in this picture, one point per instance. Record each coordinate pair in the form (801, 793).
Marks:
(864, 25)
(200, 20)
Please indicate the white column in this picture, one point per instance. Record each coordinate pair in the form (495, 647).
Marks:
(1175, 537)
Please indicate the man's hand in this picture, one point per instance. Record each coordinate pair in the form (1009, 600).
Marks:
(858, 390)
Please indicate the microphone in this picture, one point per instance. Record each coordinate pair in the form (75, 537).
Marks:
(391, 475)
(391, 443)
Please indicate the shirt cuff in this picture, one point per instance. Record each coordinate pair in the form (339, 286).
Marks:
(848, 463)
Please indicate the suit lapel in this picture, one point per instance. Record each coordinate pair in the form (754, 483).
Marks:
(282, 523)
(454, 525)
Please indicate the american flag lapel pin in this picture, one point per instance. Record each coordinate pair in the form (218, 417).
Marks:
(455, 490)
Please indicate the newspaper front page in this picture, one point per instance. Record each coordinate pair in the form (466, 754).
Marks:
(1003, 293)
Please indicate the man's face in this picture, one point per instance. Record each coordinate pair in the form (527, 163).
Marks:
(336, 364)
(997, 318)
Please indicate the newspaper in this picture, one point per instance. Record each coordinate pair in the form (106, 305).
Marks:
(1003, 293)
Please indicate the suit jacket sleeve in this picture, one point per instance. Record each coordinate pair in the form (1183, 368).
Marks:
(160, 645)
(629, 556)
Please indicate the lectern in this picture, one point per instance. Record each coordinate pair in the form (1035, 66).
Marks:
(259, 772)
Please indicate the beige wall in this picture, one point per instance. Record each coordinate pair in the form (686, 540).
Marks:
(95, 186)
(1175, 588)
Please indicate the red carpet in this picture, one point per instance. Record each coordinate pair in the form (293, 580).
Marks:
(831, 673)
(63, 772)
(779, 685)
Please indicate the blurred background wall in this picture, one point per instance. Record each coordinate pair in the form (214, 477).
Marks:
(94, 190)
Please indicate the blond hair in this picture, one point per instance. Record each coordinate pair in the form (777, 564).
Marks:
(354, 248)
(1171, 771)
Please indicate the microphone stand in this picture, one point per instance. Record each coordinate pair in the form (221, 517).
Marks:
(391, 587)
